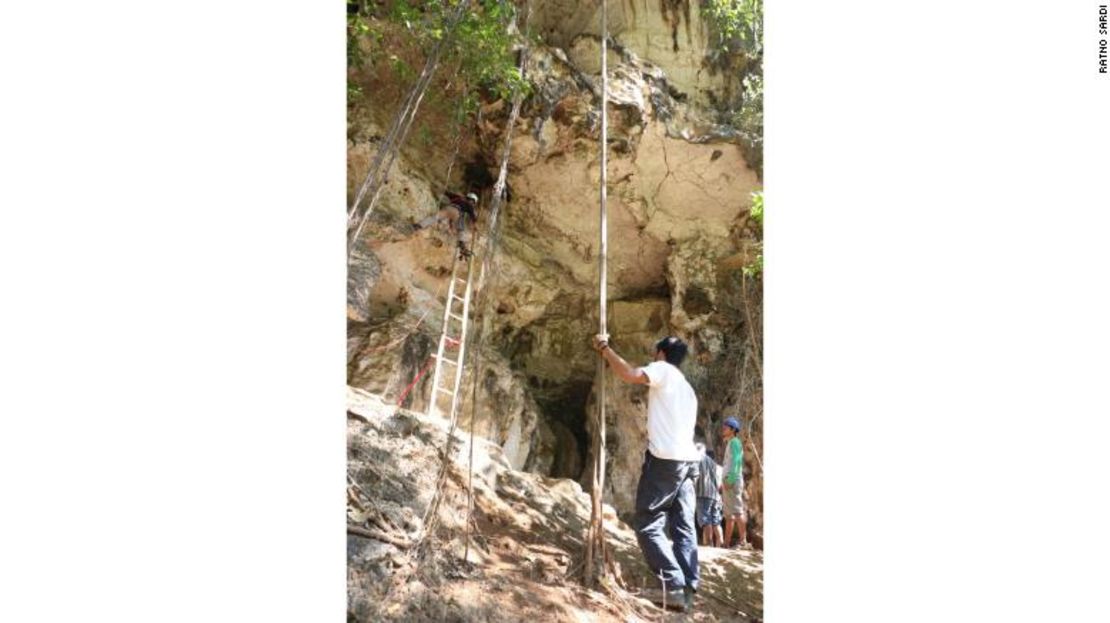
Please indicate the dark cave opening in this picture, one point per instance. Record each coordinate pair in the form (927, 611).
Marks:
(563, 405)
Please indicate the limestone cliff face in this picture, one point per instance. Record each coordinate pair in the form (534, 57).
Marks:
(669, 34)
(679, 234)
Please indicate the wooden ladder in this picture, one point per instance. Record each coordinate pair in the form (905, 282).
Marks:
(452, 338)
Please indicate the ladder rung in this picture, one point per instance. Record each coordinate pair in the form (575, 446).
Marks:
(448, 360)
(445, 390)
(455, 316)
(456, 296)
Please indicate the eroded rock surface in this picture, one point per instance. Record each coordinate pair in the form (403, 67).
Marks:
(679, 196)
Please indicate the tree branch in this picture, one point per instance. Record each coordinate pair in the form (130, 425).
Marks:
(378, 535)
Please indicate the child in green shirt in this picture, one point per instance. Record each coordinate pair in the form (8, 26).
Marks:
(732, 488)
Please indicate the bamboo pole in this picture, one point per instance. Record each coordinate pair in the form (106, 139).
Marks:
(595, 548)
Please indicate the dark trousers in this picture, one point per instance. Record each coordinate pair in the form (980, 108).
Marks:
(665, 496)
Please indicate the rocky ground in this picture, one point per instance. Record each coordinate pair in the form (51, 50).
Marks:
(524, 559)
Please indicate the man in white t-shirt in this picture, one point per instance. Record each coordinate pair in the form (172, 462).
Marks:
(666, 488)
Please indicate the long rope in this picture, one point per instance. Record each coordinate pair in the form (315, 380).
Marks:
(595, 548)
(430, 517)
(431, 513)
(433, 508)
(482, 302)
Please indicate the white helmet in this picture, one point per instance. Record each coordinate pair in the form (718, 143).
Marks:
(472, 197)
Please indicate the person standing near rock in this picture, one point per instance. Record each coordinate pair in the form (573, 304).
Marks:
(709, 499)
(665, 493)
(733, 487)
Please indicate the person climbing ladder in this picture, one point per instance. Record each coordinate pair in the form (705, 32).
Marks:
(468, 211)
(459, 211)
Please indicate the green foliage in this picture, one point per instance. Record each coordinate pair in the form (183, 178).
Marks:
(358, 26)
(738, 24)
(358, 30)
(755, 268)
(756, 212)
(425, 135)
(737, 29)
(479, 47)
(483, 47)
(749, 118)
(401, 69)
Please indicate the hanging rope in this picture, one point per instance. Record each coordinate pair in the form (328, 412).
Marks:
(432, 512)
(496, 200)
(596, 559)
(482, 301)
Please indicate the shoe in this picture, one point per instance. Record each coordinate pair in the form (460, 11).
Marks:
(672, 599)
(688, 599)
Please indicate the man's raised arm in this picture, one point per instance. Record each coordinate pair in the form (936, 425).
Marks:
(621, 368)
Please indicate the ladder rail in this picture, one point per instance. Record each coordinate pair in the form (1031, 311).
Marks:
(442, 341)
(438, 377)
(462, 339)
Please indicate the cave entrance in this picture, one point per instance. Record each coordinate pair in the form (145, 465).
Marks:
(563, 405)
